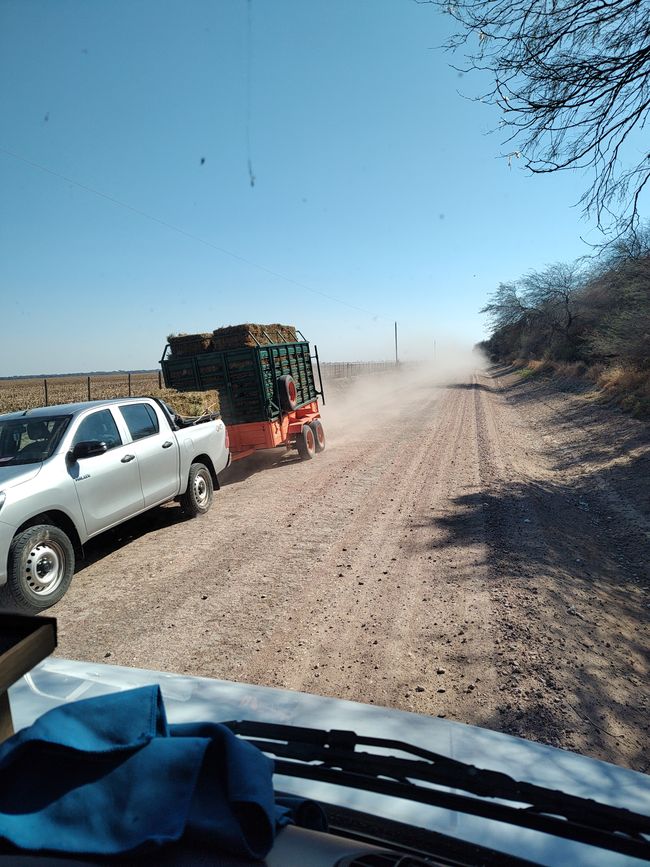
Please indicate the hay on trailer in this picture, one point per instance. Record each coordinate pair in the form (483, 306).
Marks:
(190, 344)
(237, 336)
(188, 403)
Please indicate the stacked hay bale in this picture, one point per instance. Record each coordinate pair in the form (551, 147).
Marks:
(237, 336)
(231, 337)
(188, 403)
(190, 344)
(220, 340)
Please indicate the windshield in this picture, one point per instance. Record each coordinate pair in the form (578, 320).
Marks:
(386, 266)
(30, 441)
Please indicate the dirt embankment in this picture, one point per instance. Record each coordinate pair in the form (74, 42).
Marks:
(478, 550)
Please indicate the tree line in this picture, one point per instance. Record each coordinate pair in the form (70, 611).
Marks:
(596, 312)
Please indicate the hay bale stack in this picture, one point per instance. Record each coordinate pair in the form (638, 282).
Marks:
(238, 336)
(188, 403)
(190, 344)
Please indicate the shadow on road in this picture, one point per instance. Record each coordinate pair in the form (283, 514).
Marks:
(171, 513)
(259, 461)
(469, 386)
(136, 528)
(567, 571)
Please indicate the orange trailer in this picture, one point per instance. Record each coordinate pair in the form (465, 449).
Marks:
(299, 428)
(268, 393)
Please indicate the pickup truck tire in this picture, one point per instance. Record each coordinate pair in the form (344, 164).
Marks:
(288, 393)
(306, 443)
(197, 499)
(319, 434)
(41, 565)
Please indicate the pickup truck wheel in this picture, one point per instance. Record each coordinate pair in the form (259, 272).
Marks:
(319, 434)
(306, 443)
(198, 497)
(41, 565)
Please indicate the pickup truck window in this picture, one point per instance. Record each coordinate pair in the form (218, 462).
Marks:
(141, 420)
(29, 441)
(99, 426)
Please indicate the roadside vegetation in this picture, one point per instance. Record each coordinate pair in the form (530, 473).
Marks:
(587, 319)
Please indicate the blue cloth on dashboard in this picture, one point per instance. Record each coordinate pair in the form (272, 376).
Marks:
(108, 775)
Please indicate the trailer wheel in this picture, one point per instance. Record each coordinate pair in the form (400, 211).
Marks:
(319, 434)
(306, 443)
(288, 393)
(197, 499)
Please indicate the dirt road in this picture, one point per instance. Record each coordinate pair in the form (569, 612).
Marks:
(478, 551)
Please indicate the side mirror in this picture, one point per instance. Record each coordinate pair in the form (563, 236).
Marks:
(87, 449)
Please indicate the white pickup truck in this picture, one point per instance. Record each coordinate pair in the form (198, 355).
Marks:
(69, 472)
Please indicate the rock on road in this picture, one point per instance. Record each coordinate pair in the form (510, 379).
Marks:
(476, 550)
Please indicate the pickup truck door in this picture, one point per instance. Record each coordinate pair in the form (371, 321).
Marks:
(156, 448)
(108, 485)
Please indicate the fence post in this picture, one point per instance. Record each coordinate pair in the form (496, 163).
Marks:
(88, 384)
(129, 376)
(45, 385)
(160, 379)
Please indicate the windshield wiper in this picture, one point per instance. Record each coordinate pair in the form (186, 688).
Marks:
(331, 757)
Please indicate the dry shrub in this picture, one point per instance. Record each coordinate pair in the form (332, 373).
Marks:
(570, 369)
(625, 379)
(624, 385)
(629, 387)
(594, 372)
(533, 366)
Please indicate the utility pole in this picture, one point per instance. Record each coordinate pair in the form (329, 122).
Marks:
(396, 355)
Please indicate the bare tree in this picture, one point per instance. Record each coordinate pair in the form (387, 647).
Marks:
(552, 294)
(506, 307)
(540, 314)
(572, 80)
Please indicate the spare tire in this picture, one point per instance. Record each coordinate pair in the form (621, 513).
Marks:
(288, 393)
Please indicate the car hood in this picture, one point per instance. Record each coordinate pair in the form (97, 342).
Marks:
(16, 475)
(57, 681)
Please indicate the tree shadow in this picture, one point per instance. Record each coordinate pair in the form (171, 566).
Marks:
(572, 655)
(469, 386)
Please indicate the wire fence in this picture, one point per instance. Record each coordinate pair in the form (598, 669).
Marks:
(19, 394)
(348, 369)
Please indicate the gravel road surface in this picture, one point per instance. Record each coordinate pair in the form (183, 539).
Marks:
(477, 550)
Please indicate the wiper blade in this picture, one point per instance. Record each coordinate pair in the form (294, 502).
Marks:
(332, 757)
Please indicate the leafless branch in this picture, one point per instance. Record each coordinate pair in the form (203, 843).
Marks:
(572, 79)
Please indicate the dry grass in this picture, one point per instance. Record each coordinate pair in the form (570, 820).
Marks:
(19, 394)
(626, 386)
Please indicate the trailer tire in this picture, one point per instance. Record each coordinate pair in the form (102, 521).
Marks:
(197, 499)
(306, 443)
(288, 393)
(319, 434)
(41, 565)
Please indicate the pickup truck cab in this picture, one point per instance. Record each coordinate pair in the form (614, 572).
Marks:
(70, 472)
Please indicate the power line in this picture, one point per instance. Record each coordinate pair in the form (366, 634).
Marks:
(187, 234)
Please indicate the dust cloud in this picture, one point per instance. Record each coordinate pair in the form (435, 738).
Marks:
(355, 406)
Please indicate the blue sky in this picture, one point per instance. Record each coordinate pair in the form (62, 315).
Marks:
(376, 183)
